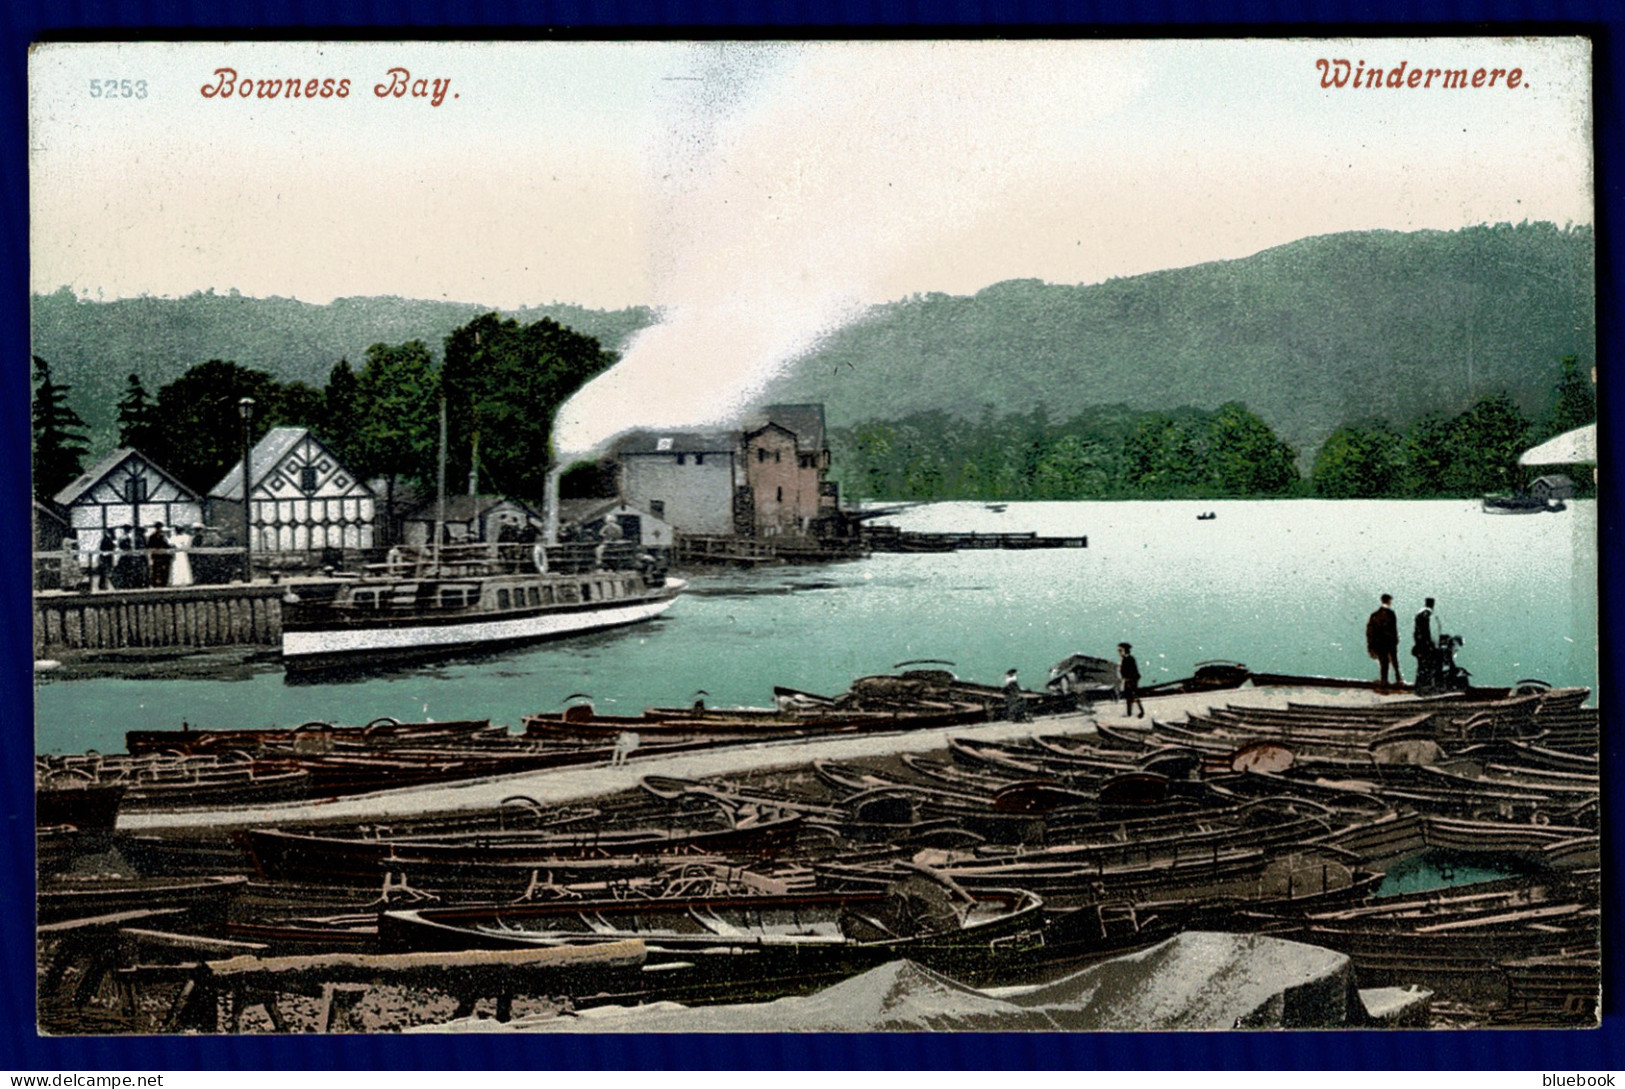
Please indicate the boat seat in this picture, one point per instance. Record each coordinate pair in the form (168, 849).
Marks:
(718, 926)
(598, 924)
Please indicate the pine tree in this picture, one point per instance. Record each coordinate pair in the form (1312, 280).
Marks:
(59, 440)
(138, 421)
(1576, 404)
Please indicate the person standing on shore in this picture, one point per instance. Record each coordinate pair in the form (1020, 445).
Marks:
(1015, 704)
(1128, 673)
(158, 555)
(1382, 640)
(1425, 648)
(104, 562)
(180, 573)
(124, 567)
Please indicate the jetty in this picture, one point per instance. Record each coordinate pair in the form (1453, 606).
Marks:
(892, 539)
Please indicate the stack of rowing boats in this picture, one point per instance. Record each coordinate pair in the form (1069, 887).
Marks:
(991, 861)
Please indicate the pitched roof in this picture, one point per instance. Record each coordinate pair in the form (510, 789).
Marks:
(99, 472)
(464, 508)
(271, 448)
(583, 511)
(807, 421)
(677, 442)
(1577, 447)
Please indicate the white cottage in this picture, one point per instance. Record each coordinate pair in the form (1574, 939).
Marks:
(301, 497)
(468, 519)
(126, 489)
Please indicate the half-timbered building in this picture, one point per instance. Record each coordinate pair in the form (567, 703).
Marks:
(125, 488)
(301, 498)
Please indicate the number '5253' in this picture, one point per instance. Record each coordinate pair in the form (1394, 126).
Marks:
(118, 88)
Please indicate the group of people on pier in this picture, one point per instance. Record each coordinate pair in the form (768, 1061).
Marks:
(128, 560)
(1427, 645)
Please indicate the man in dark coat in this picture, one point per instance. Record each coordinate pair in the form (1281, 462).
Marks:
(1382, 640)
(124, 565)
(104, 562)
(159, 557)
(1425, 649)
(1015, 704)
(1128, 671)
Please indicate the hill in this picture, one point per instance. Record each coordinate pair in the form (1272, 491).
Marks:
(93, 346)
(1309, 335)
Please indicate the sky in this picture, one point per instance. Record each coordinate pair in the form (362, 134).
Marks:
(759, 195)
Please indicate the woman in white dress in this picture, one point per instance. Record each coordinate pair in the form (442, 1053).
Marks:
(180, 574)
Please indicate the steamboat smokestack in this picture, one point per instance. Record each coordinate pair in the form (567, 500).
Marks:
(550, 506)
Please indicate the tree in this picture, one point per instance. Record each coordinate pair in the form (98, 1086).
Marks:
(503, 383)
(1427, 457)
(138, 420)
(59, 440)
(1576, 403)
(1244, 457)
(1359, 462)
(1485, 442)
(396, 430)
(1071, 469)
(340, 414)
(1162, 456)
(202, 431)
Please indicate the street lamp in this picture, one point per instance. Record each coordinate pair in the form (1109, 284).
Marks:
(245, 409)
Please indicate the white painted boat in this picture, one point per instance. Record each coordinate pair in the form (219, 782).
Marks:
(380, 620)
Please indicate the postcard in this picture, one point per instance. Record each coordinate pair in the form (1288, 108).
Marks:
(962, 535)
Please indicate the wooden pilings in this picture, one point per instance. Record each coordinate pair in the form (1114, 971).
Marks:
(180, 617)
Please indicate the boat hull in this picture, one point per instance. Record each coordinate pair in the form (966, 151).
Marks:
(315, 645)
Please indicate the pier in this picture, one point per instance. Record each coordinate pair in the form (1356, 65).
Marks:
(187, 617)
(892, 539)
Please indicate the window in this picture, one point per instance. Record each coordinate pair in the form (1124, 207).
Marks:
(699, 459)
(809, 461)
(135, 489)
(778, 455)
(779, 494)
(657, 507)
(682, 459)
(761, 454)
(307, 479)
(458, 597)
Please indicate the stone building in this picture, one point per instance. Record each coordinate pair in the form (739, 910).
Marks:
(768, 478)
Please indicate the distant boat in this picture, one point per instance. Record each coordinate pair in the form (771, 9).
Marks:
(998, 508)
(1208, 517)
(1522, 504)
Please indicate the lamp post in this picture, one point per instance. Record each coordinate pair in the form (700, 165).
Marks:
(245, 409)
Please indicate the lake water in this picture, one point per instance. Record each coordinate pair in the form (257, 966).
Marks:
(1283, 586)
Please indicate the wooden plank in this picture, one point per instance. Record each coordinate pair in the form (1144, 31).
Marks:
(194, 943)
(103, 922)
(627, 953)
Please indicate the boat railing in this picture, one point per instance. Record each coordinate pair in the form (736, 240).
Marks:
(479, 559)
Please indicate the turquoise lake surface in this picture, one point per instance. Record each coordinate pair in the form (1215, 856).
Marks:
(1284, 586)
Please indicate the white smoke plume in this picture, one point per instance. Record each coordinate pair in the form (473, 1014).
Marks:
(797, 183)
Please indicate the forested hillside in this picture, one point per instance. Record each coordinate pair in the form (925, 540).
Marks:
(93, 347)
(1321, 334)
(1310, 336)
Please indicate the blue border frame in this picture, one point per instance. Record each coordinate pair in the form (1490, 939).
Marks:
(25, 21)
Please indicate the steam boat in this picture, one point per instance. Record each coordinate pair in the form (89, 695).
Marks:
(457, 599)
